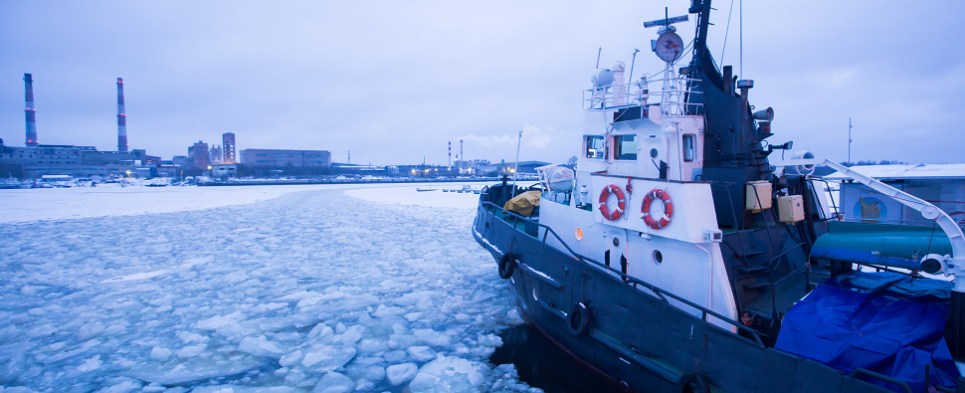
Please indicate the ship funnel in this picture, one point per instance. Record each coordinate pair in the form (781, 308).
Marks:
(765, 114)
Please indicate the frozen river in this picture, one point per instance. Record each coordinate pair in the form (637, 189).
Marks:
(248, 289)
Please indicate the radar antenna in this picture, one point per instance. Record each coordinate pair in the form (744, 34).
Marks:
(669, 47)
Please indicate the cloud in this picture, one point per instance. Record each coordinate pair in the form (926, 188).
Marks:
(393, 82)
(533, 136)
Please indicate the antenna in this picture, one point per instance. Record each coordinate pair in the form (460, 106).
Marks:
(741, 46)
(849, 140)
(726, 32)
(516, 165)
(666, 21)
(632, 62)
(598, 53)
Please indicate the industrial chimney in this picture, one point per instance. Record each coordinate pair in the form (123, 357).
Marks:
(121, 118)
(30, 112)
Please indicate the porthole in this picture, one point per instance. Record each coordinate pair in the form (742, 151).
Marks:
(657, 256)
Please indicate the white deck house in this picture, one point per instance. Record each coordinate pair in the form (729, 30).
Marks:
(941, 184)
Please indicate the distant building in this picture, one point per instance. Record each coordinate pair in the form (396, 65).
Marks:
(77, 161)
(941, 184)
(527, 166)
(198, 156)
(224, 170)
(228, 144)
(181, 161)
(36, 160)
(277, 158)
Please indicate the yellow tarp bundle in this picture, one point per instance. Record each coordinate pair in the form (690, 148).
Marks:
(523, 203)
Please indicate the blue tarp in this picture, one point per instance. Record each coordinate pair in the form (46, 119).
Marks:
(883, 322)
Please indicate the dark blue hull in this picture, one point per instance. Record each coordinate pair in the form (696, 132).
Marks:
(629, 331)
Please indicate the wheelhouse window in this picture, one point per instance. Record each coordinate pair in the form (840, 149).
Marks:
(625, 147)
(690, 149)
(593, 146)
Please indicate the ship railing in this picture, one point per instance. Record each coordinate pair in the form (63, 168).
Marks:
(636, 283)
(859, 372)
(673, 98)
(835, 211)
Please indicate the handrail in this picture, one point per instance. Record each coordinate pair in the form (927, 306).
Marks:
(621, 95)
(860, 371)
(606, 174)
(955, 264)
(662, 294)
(814, 192)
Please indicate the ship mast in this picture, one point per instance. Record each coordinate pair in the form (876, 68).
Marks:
(732, 152)
(702, 9)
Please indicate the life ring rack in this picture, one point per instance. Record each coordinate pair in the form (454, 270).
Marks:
(664, 197)
(615, 214)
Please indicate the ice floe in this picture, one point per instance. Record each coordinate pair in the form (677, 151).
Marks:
(307, 291)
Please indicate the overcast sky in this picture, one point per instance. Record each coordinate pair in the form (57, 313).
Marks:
(394, 81)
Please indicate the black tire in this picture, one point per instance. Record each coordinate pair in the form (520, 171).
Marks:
(507, 265)
(693, 383)
(579, 319)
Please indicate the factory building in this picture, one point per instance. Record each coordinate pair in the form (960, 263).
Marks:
(78, 161)
(199, 156)
(224, 170)
(277, 158)
(36, 160)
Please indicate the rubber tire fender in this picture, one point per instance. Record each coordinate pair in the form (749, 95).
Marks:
(507, 265)
(578, 321)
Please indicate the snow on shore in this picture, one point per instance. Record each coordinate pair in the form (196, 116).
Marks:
(85, 202)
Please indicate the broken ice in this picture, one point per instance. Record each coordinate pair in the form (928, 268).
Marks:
(316, 290)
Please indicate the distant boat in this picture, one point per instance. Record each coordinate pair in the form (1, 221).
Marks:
(158, 182)
(12, 183)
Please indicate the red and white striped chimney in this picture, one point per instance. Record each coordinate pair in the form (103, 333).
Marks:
(121, 118)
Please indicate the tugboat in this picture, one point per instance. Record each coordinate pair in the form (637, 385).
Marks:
(677, 257)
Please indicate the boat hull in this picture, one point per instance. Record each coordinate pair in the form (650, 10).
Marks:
(631, 333)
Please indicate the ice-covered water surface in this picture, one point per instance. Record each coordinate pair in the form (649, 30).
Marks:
(312, 291)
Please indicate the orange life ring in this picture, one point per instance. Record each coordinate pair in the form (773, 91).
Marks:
(621, 202)
(664, 197)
